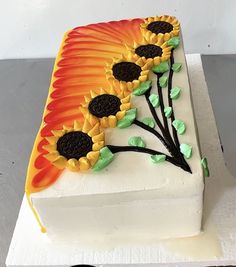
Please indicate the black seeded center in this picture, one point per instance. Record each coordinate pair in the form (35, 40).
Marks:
(160, 27)
(149, 51)
(74, 145)
(104, 105)
(126, 71)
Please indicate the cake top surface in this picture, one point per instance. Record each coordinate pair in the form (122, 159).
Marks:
(119, 102)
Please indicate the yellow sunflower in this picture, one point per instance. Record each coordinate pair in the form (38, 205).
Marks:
(163, 27)
(106, 107)
(151, 52)
(126, 72)
(75, 148)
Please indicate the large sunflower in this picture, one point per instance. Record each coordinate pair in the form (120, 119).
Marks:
(163, 27)
(106, 107)
(151, 52)
(75, 148)
(126, 72)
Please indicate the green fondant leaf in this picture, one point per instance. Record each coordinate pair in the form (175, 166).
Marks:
(163, 81)
(168, 111)
(175, 92)
(149, 122)
(105, 158)
(142, 89)
(179, 126)
(176, 67)
(136, 141)
(174, 41)
(161, 68)
(158, 158)
(154, 99)
(186, 150)
(128, 119)
(204, 164)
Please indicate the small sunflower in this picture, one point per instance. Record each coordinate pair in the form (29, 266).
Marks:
(106, 107)
(127, 73)
(163, 27)
(75, 148)
(151, 52)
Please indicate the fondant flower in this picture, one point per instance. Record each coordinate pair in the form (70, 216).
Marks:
(75, 148)
(106, 107)
(127, 73)
(151, 52)
(163, 27)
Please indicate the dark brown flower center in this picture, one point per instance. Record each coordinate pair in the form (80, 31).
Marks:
(74, 145)
(104, 105)
(126, 71)
(149, 51)
(160, 27)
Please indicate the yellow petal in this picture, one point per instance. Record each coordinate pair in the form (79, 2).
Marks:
(112, 121)
(154, 38)
(60, 162)
(97, 146)
(52, 156)
(166, 36)
(77, 125)
(165, 58)
(86, 127)
(125, 100)
(84, 164)
(52, 139)
(125, 106)
(58, 133)
(104, 122)
(123, 85)
(116, 83)
(51, 147)
(157, 60)
(135, 83)
(87, 99)
(142, 78)
(129, 86)
(144, 72)
(99, 137)
(83, 110)
(102, 91)
(139, 62)
(67, 128)
(93, 157)
(176, 32)
(150, 19)
(72, 165)
(112, 91)
(93, 94)
(92, 119)
(94, 131)
(120, 114)
(146, 66)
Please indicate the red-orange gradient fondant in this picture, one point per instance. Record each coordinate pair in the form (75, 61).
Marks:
(79, 68)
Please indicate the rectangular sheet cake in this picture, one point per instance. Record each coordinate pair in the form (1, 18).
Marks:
(117, 153)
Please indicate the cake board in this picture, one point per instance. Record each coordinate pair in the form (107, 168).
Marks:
(215, 247)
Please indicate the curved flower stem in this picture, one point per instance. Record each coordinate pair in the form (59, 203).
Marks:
(162, 106)
(116, 149)
(167, 137)
(175, 136)
(174, 132)
(153, 131)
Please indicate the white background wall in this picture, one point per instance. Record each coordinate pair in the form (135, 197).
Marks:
(34, 28)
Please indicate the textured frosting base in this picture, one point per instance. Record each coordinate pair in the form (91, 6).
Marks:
(132, 195)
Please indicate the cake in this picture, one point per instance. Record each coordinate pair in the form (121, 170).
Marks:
(117, 152)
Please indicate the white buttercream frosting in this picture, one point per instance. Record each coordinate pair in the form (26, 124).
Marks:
(125, 187)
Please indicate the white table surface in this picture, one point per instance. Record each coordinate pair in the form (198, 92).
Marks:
(30, 248)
